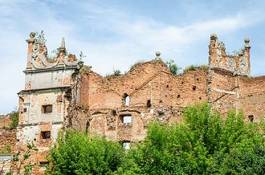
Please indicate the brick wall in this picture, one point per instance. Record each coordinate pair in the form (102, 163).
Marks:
(5, 121)
(154, 94)
(7, 137)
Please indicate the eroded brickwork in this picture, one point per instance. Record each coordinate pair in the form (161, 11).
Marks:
(7, 149)
(5, 121)
(7, 140)
(152, 93)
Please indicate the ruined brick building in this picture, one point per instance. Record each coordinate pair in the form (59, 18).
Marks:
(61, 92)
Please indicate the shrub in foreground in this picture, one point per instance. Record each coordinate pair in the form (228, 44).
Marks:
(203, 143)
(77, 153)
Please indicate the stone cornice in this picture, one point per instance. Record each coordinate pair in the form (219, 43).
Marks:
(29, 71)
(43, 89)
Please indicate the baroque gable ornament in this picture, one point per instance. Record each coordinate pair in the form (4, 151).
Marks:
(42, 60)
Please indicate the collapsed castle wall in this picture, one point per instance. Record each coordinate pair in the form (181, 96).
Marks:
(150, 92)
(146, 93)
(222, 90)
(229, 85)
(252, 97)
(148, 81)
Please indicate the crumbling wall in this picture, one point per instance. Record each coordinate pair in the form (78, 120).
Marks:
(148, 81)
(228, 91)
(223, 90)
(5, 121)
(7, 139)
(237, 63)
(252, 97)
(153, 94)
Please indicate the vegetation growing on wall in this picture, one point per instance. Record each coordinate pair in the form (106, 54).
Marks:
(115, 73)
(85, 69)
(6, 149)
(203, 143)
(14, 119)
(195, 67)
(174, 69)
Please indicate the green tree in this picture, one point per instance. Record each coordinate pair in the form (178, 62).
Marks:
(174, 69)
(78, 153)
(202, 144)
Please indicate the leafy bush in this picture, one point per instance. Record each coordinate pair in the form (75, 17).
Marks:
(77, 153)
(194, 67)
(203, 144)
(22, 161)
(174, 69)
(14, 119)
(116, 72)
(6, 149)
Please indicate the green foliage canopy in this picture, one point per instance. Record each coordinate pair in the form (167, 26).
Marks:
(76, 153)
(204, 143)
(174, 69)
(14, 119)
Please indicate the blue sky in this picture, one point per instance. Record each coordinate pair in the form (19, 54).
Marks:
(114, 34)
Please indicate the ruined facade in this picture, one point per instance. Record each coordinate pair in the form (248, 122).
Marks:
(62, 93)
(44, 101)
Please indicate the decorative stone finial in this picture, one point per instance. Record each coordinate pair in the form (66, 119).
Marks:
(32, 35)
(213, 36)
(247, 42)
(158, 54)
(41, 38)
(62, 46)
(62, 43)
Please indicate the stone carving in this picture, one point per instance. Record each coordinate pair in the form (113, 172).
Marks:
(41, 59)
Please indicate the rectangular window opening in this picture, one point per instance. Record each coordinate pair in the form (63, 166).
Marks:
(44, 164)
(126, 145)
(45, 134)
(126, 119)
(251, 118)
(46, 109)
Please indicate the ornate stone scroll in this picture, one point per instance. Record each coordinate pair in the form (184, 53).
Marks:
(41, 59)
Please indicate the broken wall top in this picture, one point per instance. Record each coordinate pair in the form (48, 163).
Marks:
(237, 63)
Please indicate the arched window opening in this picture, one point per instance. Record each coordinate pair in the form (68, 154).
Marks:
(126, 99)
(148, 103)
